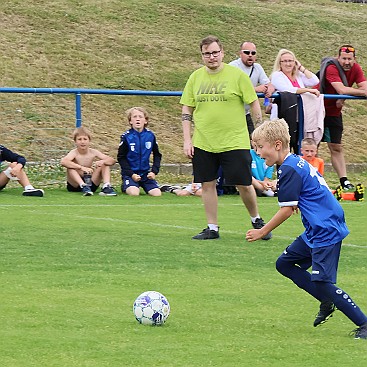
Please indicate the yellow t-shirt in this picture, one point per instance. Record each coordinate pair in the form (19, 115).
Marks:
(219, 115)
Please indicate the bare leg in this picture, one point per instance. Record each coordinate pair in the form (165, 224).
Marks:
(248, 196)
(73, 177)
(337, 159)
(210, 200)
(133, 191)
(155, 192)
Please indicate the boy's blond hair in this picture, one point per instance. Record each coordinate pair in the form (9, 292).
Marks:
(272, 131)
(81, 131)
(141, 109)
(308, 141)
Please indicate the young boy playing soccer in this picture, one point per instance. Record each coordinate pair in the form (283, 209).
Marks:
(302, 188)
(80, 161)
(136, 146)
(14, 172)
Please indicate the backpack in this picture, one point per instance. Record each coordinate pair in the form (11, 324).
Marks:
(325, 62)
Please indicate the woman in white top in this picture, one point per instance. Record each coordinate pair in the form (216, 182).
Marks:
(289, 75)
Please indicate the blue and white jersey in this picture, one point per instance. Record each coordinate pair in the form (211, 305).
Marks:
(135, 150)
(300, 184)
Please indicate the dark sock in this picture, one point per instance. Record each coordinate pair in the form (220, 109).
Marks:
(342, 180)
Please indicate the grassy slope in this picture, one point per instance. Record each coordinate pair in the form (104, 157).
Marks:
(153, 45)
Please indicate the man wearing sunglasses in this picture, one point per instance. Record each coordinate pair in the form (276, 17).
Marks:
(213, 100)
(333, 122)
(247, 63)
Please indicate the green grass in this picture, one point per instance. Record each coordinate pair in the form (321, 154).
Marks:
(153, 45)
(72, 266)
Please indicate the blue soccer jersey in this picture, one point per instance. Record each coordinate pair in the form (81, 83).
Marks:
(299, 184)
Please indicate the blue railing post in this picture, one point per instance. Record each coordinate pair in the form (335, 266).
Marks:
(78, 109)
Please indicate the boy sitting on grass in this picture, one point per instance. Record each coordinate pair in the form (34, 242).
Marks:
(302, 188)
(84, 161)
(14, 172)
(136, 147)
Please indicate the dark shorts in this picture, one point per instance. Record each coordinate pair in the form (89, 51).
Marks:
(333, 129)
(324, 260)
(236, 165)
(72, 188)
(146, 183)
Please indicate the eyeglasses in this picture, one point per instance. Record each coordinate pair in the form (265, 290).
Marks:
(287, 61)
(347, 49)
(248, 52)
(207, 55)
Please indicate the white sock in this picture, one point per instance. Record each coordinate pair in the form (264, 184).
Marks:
(28, 187)
(105, 185)
(213, 227)
(253, 219)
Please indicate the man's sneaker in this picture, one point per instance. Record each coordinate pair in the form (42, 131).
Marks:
(326, 311)
(207, 234)
(339, 193)
(347, 186)
(33, 192)
(108, 191)
(359, 193)
(165, 188)
(360, 332)
(86, 190)
(259, 223)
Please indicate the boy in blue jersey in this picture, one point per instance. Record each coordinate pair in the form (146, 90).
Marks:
(136, 146)
(301, 187)
(13, 170)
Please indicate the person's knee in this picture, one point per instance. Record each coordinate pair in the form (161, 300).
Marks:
(282, 266)
(335, 148)
(155, 192)
(133, 191)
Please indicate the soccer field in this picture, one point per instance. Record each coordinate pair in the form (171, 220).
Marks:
(72, 266)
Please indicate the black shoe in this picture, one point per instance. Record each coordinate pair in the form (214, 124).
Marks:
(326, 311)
(86, 190)
(259, 223)
(33, 192)
(358, 194)
(165, 188)
(360, 332)
(347, 186)
(108, 191)
(207, 234)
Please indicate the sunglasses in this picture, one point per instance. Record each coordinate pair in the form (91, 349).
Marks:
(347, 49)
(248, 52)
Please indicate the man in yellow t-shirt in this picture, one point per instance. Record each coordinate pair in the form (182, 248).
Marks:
(214, 99)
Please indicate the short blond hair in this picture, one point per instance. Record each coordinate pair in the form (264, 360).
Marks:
(272, 131)
(308, 141)
(81, 131)
(129, 113)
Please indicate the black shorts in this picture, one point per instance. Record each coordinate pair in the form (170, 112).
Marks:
(72, 188)
(236, 165)
(333, 129)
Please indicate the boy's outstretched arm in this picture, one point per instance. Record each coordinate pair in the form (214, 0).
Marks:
(282, 215)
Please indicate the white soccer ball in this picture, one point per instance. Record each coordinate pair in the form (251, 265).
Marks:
(151, 308)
